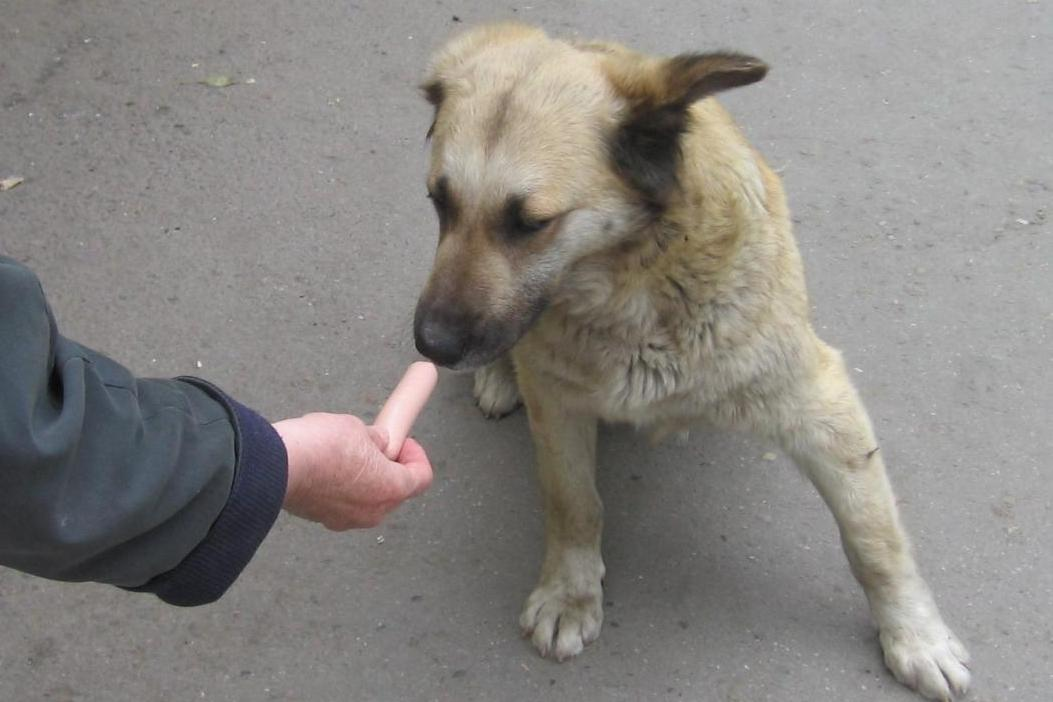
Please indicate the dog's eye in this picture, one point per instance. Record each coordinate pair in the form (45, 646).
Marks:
(519, 223)
(440, 192)
(533, 226)
(437, 198)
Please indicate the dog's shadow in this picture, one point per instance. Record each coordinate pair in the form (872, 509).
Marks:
(715, 537)
(720, 500)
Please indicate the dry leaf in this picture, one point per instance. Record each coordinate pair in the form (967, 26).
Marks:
(12, 182)
(769, 456)
(218, 81)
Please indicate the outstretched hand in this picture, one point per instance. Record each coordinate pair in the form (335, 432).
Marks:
(339, 475)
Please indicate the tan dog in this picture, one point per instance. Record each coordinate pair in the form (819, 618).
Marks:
(612, 249)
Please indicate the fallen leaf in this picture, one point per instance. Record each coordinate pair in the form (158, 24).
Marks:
(218, 81)
(12, 182)
(769, 456)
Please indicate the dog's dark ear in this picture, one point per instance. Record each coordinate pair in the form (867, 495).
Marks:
(646, 146)
(690, 77)
(434, 93)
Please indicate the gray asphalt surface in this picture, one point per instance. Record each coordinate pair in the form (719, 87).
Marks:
(272, 236)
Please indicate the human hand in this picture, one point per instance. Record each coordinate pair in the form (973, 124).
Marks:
(339, 476)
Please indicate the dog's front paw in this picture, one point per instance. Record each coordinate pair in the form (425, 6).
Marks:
(496, 391)
(926, 656)
(564, 613)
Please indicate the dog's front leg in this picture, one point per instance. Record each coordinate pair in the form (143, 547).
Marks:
(825, 428)
(495, 390)
(565, 611)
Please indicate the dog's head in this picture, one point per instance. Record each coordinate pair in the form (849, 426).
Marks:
(544, 153)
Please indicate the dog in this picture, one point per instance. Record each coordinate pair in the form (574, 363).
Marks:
(611, 248)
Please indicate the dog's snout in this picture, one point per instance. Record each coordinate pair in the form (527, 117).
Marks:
(440, 336)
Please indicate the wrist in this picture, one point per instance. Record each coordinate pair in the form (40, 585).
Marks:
(299, 461)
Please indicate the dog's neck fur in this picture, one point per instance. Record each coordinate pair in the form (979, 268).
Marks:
(642, 322)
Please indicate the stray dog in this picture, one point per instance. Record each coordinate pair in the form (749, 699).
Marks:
(611, 248)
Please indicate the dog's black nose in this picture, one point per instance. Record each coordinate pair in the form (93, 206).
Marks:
(439, 337)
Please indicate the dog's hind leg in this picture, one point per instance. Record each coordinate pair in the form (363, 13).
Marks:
(565, 611)
(822, 424)
(496, 391)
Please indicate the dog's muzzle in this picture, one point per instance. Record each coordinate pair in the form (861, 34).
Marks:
(457, 339)
(445, 336)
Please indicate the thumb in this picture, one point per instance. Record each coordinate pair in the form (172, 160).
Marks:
(379, 436)
(418, 468)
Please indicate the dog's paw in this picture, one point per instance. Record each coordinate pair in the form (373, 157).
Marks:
(496, 392)
(927, 657)
(563, 614)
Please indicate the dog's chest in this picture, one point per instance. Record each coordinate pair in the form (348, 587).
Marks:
(623, 355)
(664, 350)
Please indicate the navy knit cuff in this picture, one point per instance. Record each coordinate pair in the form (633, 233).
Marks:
(256, 497)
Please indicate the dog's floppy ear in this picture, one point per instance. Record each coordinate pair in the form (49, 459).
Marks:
(434, 94)
(646, 145)
(448, 61)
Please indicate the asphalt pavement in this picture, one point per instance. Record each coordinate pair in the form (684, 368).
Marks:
(272, 236)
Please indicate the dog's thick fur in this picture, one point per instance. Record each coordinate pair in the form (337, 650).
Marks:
(611, 248)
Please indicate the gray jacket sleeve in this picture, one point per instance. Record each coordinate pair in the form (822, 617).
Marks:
(163, 486)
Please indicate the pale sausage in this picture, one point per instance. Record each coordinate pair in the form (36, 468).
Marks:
(405, 403)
